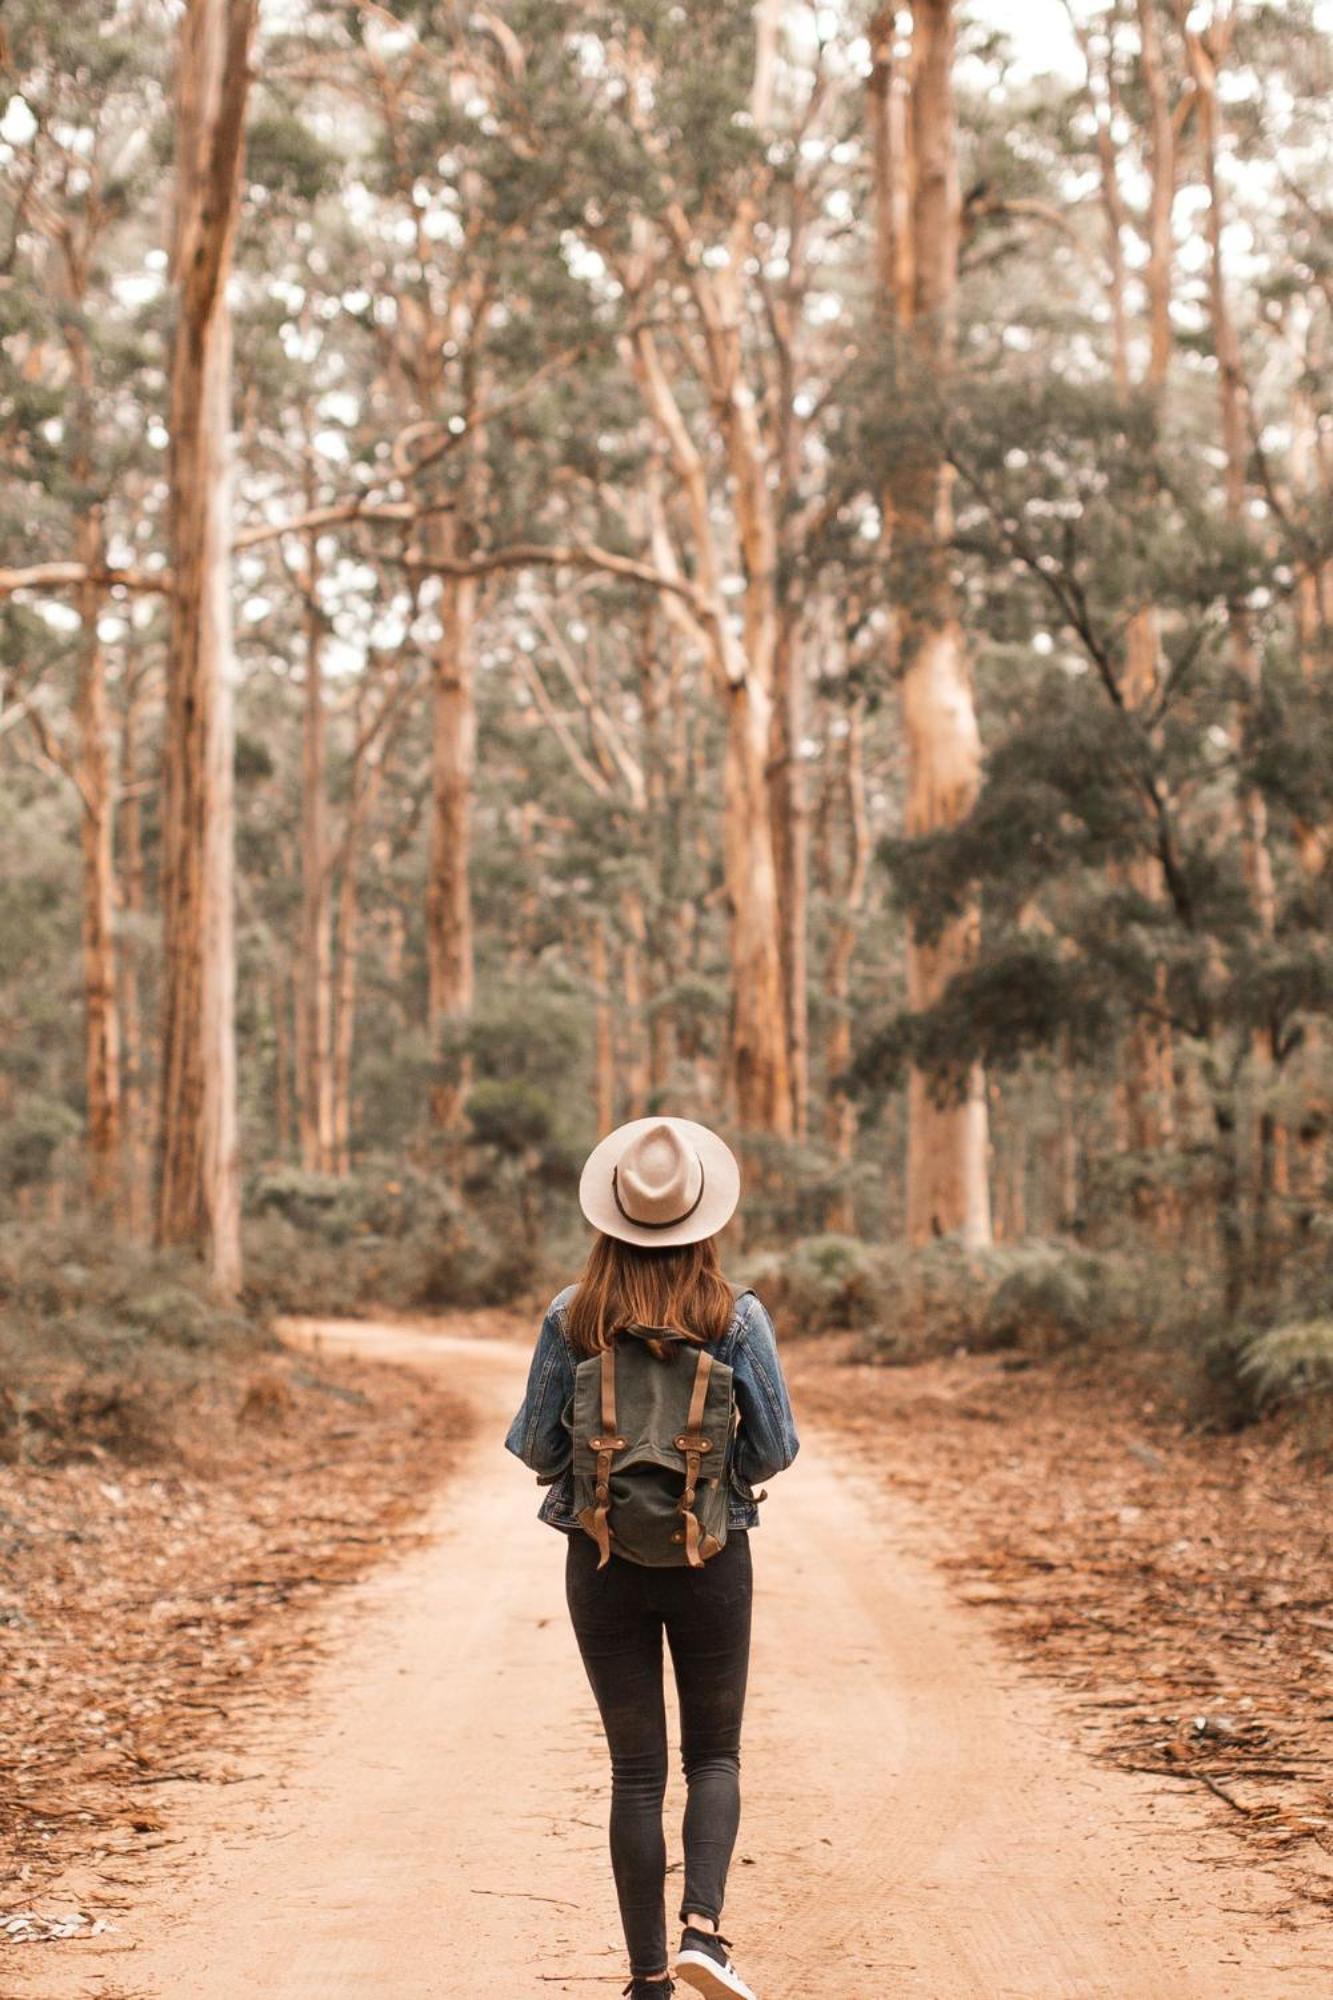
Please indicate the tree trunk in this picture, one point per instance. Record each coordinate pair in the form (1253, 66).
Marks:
(604, 1054)
(1161, 192)
(947, 1134)
(344, 1031)
(1313, 841)
(449, 955)
(742, 669)
(839, 1107)
(947, 1142)
(760, 1076)
(280, 997)
(315, 1090)
(1230, 1228)
(199, 1182)
(1233, 395)
(661, 780)
(1148, 1080)
(93, 774)
(1066, 1084)
(791, 845)
(136, 1147)
(366, 782)
(635, 1066)
(1205, 56)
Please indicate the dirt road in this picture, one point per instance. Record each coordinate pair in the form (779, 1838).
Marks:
(429, 1824)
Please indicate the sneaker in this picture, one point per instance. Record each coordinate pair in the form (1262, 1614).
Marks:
(650, 1989)
(702, 1963)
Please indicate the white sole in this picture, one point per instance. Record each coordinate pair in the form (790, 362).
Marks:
(706, 1976)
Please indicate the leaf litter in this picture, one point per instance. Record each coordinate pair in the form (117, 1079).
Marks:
(148, 1610)
(1175, 1583)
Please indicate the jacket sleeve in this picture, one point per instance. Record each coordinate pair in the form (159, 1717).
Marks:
(766, 1439)
(538, 1434)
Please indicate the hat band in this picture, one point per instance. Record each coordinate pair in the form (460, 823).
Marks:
(673, 1221)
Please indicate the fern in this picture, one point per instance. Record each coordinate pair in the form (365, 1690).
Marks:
(1285, 1363)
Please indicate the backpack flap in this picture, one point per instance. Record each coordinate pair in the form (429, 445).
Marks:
(650, 1452)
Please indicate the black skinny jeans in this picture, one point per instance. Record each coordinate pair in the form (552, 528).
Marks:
(619, 1615)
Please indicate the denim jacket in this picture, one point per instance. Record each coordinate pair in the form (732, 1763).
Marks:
(764, 1442)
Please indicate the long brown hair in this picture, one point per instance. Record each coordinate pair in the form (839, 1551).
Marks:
(626, 1284)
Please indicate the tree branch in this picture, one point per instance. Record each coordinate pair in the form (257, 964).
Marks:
(54, 575)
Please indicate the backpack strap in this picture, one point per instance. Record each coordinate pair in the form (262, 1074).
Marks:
(608, 1442)
(694, 1444)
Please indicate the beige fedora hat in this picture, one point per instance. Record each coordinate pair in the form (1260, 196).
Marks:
(660, 1181)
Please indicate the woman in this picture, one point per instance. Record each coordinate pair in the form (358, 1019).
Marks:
(657, 1191)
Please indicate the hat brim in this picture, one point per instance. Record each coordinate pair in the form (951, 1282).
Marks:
(717, 1205)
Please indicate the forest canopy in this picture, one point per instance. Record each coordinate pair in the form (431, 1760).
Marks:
(772, 563)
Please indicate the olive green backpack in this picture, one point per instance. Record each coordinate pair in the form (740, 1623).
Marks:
(650, 1449)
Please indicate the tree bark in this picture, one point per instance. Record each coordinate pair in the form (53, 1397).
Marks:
(635, 1067)
(1233, 399)
(947, 1144)
(789, 816)
(663, 790)
(604, 1054)
(367, 778)
(1145, 1090)
(1067, 1138)
(199, 1180)
(102, 1042)
(1161, 192)
(760, 1077)
(1206, 53)
(281, 999)
(1314, 841)
(449, 950)
(839, 1108)
(742, 670)
(90, 770)
(136, 1144)
(315, 1088)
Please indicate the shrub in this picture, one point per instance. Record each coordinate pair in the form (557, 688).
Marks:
(909, 1304)
(1050, 1297)
(935, 1300)
(511, 1116)
(395, 1237)
(792, 1188)
(31, 1138)
(823, 1283)
(102, 1342)
(378, 1200)
(471, 1268)
(1287, 1364)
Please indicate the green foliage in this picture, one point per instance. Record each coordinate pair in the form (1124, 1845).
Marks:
(377, 1200)
(1285, 1364)
(935, 1301)
(480, 217)
(790, 1188)
(286, 158)
(1051, 1297)
(101, 1342)
(1037, 1296)
(31, 1139)
(512, 1117)
(387, 1235)
(822, 1284)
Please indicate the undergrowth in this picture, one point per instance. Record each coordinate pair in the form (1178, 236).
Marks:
(394, 1237)
(103, 1343)
(1134, 1307)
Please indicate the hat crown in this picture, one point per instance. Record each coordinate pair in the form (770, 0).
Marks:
(658, 1178)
